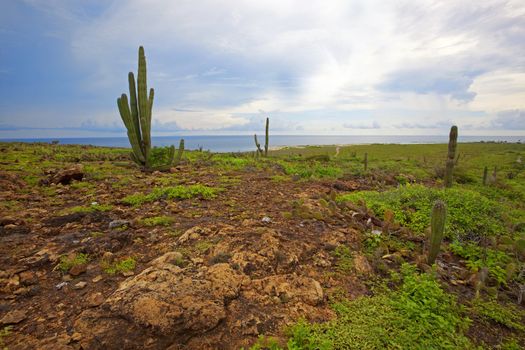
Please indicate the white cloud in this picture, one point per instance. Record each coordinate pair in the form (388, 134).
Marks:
(409, 63)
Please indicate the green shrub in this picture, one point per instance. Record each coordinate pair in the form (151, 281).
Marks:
(470, 214)
(508, 316)
(66, 262)
(420, 315)
(477, 257)
(122, 266)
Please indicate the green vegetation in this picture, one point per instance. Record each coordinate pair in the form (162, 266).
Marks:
(419, 315)
(509, 315)
(158, 221)
(345, 260)
(451, 156)
(477, 257)
(136, 116)
(437, 230)
(66, 262)
(177, 192)
(93, 208)
(4, 333)
(122, 266)
(471, 214)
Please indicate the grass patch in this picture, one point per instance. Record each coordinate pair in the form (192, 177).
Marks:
(509, 316)
(470, 214)
(122, 266)
(66, 262)
(158, 221)
(345, 260)
(419, 315)
(93, 208)
(176, 192)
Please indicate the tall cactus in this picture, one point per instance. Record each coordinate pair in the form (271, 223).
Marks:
(365, 161)
(485, 175)
(437, 229)
(136, 116)
(452, 143)
(266, 138)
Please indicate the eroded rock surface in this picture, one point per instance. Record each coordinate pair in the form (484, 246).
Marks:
(165, 302)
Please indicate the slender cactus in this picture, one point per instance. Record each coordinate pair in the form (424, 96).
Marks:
(437, 229)
(365, 162)
(485, 175)
(258, 145)
(267, 138)
(178, 158)
(136, 116)
(452, 143)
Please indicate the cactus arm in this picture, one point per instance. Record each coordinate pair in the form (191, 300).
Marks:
(257, 144)
(437, 229)
(144, 105)
(125, 114)
(266, 139)
(134, 107)
(449, 167)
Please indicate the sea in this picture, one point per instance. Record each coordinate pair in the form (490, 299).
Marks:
(243, 143)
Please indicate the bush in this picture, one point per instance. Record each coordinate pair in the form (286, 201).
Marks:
(420, 315)
(470, 214)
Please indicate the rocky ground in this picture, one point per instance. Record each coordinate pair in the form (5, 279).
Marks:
(84, 268)
(221, 273)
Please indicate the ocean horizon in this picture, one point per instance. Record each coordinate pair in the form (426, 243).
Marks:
(243, 143)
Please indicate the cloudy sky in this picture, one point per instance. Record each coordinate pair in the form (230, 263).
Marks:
(220, 67)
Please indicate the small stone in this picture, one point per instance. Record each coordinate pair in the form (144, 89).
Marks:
(362, 266)
(78, 269)
(127, 273)
(80, 285)
(97, 279)
(76, 336)
(13, 317)
(266, 220)
(197, 261)
(95, 299)
(7, 220)
(61, 285)
(108, 257)
(118, 224)
(67, 278)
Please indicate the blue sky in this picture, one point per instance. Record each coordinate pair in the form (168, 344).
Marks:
(220, 67)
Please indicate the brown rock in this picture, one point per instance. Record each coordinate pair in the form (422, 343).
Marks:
(95, 299)
(78, 269)
(13, 317)
(80, 285)
(28, 278)
(362, 266)
(7, 220)
(66, 176)
(163, 299)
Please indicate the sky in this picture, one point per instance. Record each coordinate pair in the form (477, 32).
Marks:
(221, 67)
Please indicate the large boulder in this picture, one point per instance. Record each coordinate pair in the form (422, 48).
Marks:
(162, 306)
